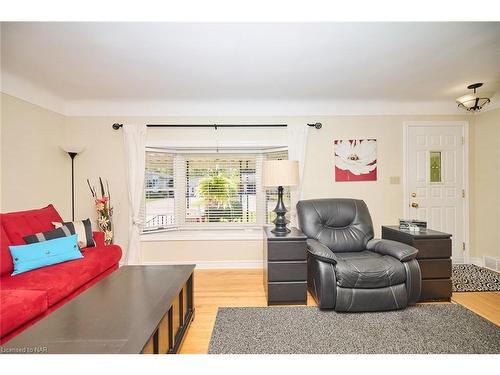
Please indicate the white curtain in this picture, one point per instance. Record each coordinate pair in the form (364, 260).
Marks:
(134, 137)
(297, 144)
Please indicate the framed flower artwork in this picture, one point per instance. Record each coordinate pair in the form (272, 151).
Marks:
(355, 160)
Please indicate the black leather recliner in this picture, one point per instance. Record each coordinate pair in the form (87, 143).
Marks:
(348, 270)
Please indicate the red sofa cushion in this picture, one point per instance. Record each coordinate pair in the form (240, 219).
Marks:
(62, 279)
(22, 223)
(18, 307)
(16, 225)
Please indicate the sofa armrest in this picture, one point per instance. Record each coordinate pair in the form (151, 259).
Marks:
(320, 251)
(395, 249)
(99, 238)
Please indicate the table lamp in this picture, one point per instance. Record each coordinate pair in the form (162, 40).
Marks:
(280, 173)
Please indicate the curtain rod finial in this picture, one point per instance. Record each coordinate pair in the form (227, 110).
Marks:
(317, 125)
(117, 126)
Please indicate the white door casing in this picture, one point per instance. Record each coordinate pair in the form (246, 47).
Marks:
(442, 202)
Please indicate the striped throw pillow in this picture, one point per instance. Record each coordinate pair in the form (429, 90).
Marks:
(60, 232)
(83, 229)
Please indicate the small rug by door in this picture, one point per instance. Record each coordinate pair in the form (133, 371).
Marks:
(471, 278)
(427, 328)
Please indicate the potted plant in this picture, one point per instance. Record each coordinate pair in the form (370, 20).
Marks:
(219, 193)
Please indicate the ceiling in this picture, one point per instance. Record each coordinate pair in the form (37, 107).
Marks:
(249, 61)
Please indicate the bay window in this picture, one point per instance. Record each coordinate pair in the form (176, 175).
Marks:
(207, 190)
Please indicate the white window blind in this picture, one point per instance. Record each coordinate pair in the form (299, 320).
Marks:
(159, 187)
(220, 189)
(272, 193)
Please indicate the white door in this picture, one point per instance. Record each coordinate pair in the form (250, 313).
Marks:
(435, 179)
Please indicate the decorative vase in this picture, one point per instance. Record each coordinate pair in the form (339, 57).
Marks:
(104, 219)
(104, 210)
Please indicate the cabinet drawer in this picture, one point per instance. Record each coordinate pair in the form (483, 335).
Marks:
(435, 268)
(286, 250)
(287, 271)
(433, 248)
(287, 292)
(436, 289)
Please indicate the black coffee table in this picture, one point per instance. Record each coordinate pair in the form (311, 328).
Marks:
(137, 309)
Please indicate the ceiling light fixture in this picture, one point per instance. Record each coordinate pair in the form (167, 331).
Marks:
(473, 102)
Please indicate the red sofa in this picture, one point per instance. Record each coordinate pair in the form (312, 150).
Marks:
(28, 297)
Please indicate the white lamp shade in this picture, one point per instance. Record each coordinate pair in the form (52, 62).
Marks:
(280, 173)
(469, 101)
(77, 149)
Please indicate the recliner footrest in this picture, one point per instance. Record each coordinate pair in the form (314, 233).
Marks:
(382, 299)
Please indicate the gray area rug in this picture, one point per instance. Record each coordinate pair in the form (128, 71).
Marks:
(471, 278)
(428, 328)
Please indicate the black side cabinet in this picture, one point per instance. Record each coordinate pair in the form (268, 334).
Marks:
(434, 259)
(285, 267)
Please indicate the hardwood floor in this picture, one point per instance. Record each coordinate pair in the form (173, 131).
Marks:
(244, 288)
(486, 304)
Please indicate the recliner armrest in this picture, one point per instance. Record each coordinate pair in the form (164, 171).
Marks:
(395, 249)
(320, 251)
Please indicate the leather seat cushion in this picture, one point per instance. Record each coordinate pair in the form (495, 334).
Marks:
(366, 269)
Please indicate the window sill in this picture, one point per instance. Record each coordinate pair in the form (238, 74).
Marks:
(240, 234)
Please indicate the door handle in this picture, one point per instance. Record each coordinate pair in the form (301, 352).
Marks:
(414, 205)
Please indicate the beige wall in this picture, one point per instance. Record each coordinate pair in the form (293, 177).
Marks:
(384, 200)
(35, 171)
(485, 167)
(104, 156)
(205, 252)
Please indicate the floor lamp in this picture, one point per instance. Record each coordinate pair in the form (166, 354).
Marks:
(72, 151)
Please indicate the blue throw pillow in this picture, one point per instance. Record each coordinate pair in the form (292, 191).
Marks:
(41, 254)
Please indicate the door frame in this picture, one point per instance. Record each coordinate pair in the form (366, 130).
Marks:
(406, 200)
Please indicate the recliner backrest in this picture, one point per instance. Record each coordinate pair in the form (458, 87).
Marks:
(339, 223)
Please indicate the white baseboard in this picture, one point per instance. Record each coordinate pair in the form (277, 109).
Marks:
(457, 260)
(472, 260)
(485, 261)
(476, 261)
(213, 264)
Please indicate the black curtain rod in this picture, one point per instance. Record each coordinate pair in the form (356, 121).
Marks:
(117, 126)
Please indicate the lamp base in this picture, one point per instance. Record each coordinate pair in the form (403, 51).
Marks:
(280, 222)
(277, 230)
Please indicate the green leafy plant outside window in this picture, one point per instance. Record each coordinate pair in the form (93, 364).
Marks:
(219, 193)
